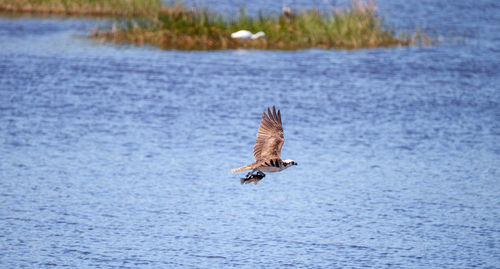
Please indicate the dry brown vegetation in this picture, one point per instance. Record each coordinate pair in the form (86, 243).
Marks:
(84, 7)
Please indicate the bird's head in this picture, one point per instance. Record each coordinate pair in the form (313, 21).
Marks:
(257, 35)
(289, 162)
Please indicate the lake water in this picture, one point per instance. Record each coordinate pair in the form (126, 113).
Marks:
(120, 156)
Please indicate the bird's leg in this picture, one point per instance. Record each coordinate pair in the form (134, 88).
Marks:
(258, 176)
(250, 175)
(248, 178)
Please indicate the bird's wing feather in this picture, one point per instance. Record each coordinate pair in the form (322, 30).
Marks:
(269, 137)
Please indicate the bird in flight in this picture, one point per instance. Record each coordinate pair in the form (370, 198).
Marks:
(267, 149)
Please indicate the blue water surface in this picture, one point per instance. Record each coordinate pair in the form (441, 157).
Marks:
(120, 156)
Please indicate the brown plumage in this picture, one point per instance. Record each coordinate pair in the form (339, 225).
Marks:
(269, 140)
(267, 149)
(269, 137)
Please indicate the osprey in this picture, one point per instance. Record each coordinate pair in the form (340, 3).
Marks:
(267, 149)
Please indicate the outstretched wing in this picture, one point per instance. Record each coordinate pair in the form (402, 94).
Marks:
(270, 137)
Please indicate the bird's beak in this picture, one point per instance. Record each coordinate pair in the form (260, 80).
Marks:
(296, 164)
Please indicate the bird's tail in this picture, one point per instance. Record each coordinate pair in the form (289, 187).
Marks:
(243, 168)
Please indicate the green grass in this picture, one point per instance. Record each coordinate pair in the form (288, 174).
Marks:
(178, 27)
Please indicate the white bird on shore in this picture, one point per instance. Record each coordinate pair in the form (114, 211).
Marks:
(246, 35)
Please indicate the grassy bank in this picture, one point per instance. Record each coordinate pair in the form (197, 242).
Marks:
(179, 27)
(84, 7)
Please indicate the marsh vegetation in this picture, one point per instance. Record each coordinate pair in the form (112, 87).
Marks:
(84, 7)
(177, 26)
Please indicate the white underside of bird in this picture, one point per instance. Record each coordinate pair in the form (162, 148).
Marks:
(284, 164)
(246, 35)
(271, 169)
